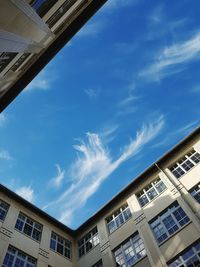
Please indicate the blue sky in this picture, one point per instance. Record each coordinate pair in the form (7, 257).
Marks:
(119, 95)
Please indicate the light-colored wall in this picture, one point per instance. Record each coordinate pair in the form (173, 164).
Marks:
(157, 255)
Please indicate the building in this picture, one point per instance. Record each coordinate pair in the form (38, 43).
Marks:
(31, 33)
(154, 221)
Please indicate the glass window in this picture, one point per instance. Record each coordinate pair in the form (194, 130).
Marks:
(190, 257)
(168, 222)
(60, 245)
(3, 209)
(152, 190)
(17, 258)
(130, 251)
(29, 227)
(88, 242)
(195, 192)
(186, 163)
(120, 216)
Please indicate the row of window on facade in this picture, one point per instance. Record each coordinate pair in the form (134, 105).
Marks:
(132, 250)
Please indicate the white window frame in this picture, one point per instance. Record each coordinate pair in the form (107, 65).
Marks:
(15, 253)
(4, 208)
(91, 238)
(65, 243)
(145, 191)
(195, 191)
(120, 250)
(113, 218)
(159, 218)
(35, 226)
(180, 162)
(180, 261)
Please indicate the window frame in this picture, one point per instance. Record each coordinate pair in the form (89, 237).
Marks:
(24, 224)
(90, 236)
(193, 192)
(180, 258)
(63, 243)
(114, 217)
(5, 210)
(132, 241)
(178, 165)
(145, 191)
(15, 255)
(166, 213)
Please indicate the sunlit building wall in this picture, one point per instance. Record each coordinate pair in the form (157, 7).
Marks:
(154, 221)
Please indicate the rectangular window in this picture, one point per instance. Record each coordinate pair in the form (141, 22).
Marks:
(151, 191)
(190, 257)
(88, 242)
(15, 258)
(195, 192)
(3, 209)
(168, 222)
(129, 252)
(29, 227)
(98, 264)
(119, 217)
(60, 245)
(186, 163)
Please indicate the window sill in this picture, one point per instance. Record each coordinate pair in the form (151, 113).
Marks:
(154, 198)
(180, 229)
(119, 226)
(61, 255)
(27, 236)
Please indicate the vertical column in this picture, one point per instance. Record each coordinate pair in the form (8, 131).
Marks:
(153, 252)
(189, 200)
(43, 254)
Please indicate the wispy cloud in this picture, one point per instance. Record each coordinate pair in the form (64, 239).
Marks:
(57, 180)
(173, 56)
(42, 81)
(91, 29)
(5, 155)
(91, 93)
(94, 165)
(26, 192)
(2, 119)
(127, 104)
(186, 129)
(110, 4)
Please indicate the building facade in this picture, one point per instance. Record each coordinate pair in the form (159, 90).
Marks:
(31, 33)
(154, 221)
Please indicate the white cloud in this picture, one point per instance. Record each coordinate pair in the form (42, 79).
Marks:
(26, 192)
(57, 180)
(91, 29)
(41, 82)
(110, 4)
(2, 119)
(173, 56)
(94, 164)
(186, 129)
(91, 93)
(5, 155)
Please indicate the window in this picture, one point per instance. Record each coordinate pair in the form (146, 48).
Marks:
(3, 209)
(29, 227)
(60, 245)
(195, 192)
(129, 252)
(168, 222)
(190, 257)
(151, 191)
(98, 264)
(15, 257)
(186, 163)
(119, 217)
(88, 242)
